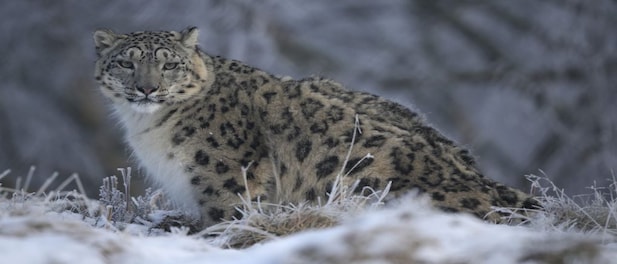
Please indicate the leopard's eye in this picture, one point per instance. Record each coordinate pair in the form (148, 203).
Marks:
(170, 66)
(126, 64)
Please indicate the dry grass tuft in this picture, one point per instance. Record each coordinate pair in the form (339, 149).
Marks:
(591, 213)
(262, 222)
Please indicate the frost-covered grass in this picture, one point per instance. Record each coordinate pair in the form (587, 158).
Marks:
(56, 226)
(592, 213)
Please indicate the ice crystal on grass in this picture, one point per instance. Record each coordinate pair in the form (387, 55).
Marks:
(594, 213)
(114, 200)
(55, 200)
(151, 210)
(150, 202)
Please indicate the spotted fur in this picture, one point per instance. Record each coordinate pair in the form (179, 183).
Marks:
(195, 121)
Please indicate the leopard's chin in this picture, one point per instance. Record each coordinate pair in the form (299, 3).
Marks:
(146, 107)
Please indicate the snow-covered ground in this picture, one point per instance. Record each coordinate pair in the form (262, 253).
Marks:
(44, 229)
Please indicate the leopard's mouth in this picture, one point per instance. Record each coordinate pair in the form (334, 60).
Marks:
(144, 100)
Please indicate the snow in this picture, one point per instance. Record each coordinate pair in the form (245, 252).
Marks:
(410, 232)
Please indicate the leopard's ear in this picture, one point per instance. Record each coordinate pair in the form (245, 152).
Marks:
(189, 37)
(104, 39)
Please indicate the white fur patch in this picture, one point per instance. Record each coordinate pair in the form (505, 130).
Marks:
(151, 149)
(146, 108)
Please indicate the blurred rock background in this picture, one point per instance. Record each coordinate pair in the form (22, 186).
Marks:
(527, 85)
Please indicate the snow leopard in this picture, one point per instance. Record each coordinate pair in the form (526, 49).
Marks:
(211, 130)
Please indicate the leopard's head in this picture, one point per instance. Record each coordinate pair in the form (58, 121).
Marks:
(147, 70)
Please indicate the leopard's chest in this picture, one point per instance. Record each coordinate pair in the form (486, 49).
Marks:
(152, 146)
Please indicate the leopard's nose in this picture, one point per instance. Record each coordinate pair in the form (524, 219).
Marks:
(147, 90)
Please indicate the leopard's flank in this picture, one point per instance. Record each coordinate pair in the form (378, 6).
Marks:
(194, 121)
